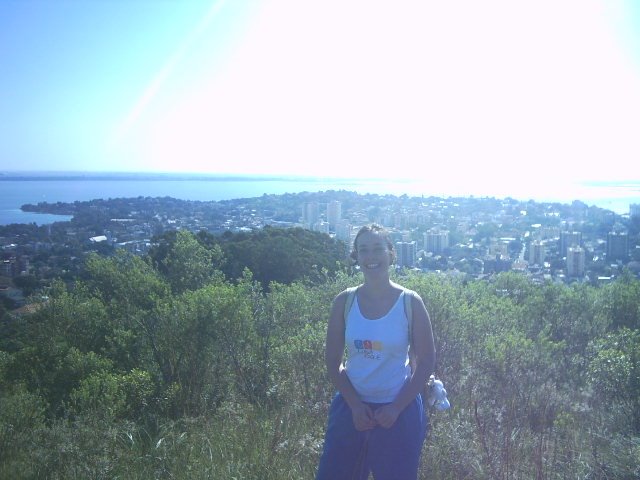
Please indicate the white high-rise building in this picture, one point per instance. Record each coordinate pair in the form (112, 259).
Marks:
(436, 241)
(334, 213)
(310, 214)
(575, 261)
(537, 253)
(406, 253)
(343, 231)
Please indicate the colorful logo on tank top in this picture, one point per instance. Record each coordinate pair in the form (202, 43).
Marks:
(369, 348)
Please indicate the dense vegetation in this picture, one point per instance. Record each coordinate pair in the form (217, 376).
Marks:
(163, 367)
(271, 254)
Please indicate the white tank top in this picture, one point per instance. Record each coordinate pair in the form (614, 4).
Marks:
(378, 352)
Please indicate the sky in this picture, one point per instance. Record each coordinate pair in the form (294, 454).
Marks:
(492, 91)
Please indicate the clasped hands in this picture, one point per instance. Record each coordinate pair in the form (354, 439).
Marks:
(364, 418)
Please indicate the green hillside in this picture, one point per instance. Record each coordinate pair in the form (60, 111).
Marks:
(205, 359)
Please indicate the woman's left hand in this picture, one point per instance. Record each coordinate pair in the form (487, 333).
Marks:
(387, 415)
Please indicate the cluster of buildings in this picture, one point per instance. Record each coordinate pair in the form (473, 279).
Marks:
(473, 236)
(326, 218)
(566, 249)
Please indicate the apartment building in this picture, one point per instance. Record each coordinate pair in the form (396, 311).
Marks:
(436, 241)
(569, 239)
(537, 253)
(310, 213)
(334, 214)
(617, 246)
(406, 253)
(575, 262)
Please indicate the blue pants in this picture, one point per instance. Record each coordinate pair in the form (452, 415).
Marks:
(390, 454)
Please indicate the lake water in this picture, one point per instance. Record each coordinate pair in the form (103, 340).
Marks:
(15, 193)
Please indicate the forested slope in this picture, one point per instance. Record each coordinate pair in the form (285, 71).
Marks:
(166, 367)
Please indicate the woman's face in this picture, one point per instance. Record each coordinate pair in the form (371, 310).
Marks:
(373, 252)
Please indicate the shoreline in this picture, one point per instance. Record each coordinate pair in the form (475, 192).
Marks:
(68, 187)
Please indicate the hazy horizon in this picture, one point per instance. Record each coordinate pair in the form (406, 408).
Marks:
(34, 186)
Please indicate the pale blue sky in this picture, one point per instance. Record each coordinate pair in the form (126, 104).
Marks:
(523, 92)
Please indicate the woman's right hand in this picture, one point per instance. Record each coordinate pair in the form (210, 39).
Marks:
(363, 418)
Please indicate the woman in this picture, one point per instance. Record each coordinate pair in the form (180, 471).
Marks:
(376, 420)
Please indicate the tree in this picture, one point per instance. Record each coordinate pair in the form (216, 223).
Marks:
(189, 265)
(281, 255)
(187, 261)
(199, 340)
(614, 375)
(27, 283)
(620, 302)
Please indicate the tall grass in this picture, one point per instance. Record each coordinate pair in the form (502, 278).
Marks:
(240, 441)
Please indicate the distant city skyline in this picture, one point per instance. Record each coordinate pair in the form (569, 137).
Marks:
(505, 94)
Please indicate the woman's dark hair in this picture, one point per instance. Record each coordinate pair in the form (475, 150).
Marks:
(373, 228)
